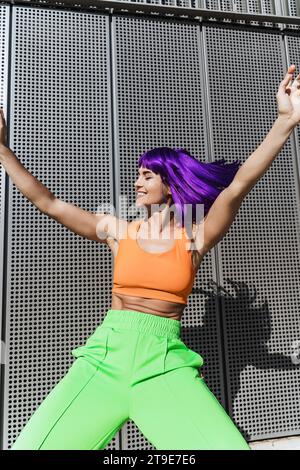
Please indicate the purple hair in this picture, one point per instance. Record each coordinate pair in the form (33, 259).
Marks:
(190, 181)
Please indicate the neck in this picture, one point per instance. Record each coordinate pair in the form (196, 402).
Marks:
(161, 222)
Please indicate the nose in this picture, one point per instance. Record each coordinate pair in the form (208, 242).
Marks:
(137, 185)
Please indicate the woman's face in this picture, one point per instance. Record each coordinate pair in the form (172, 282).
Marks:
(152, 188)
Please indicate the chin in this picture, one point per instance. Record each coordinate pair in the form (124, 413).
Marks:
(139, 203)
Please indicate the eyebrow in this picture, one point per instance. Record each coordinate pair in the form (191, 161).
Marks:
(146, 171)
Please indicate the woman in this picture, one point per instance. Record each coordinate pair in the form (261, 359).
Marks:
(135, 366)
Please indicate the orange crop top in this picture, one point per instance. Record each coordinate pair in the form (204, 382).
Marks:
(165, 276)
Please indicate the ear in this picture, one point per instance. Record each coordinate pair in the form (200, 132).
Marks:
(168, 190)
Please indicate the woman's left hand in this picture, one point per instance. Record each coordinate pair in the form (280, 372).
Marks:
(288, 97)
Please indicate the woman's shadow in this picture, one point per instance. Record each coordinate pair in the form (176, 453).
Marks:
(246, 335)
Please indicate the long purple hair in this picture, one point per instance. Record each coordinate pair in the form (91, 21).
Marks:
(191, 181)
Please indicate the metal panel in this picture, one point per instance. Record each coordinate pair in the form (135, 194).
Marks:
(188, 78)
(58, 283)
(255, 12)
(261, 254)
(4, 79)
(165, 70)
(242, 6)
(291, 8)
(245, 8)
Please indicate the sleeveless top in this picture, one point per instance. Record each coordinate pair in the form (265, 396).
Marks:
(165, 276)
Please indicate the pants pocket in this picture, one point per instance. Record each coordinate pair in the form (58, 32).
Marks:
(95, 348)
(179, 355)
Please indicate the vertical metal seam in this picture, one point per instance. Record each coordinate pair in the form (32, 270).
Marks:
(294, 142)
(215, 252)
(112, 113)
(110, 35)
(5, 206)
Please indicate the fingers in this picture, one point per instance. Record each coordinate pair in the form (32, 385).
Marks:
(286, 84)
(2, 118)
(288, 78)
(296, 83)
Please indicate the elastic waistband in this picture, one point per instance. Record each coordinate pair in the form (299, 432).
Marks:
(145, 322)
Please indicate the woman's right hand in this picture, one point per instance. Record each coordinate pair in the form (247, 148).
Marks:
(3, 130)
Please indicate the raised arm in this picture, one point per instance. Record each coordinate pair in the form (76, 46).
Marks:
(224, 209)
(28, 184)
(97, 227)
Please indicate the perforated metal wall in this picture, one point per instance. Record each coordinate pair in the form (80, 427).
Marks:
(164, 55)
(254, 6)
(90, 93)
(58, 284)
(242, 6)
(291, 8)
(262, 249)
(4, 29)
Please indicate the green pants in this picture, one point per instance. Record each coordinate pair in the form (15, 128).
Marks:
(134, 366)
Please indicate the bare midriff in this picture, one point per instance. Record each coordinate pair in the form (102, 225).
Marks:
(162, 308)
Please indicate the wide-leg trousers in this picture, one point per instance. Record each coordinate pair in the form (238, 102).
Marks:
(134, 366)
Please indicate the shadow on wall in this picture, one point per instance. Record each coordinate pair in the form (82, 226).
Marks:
(247, 329)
